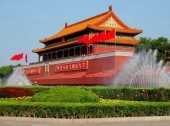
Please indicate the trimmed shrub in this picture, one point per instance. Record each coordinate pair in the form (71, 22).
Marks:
(132, 94)
(14, 92)
(65, 94)
(107, 92)
(83, 110)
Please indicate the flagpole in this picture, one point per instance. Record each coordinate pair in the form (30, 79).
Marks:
(105, 44)
(115, 41)
(97, 47)
(88, 45)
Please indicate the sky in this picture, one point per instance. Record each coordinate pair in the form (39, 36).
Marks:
(24, 22)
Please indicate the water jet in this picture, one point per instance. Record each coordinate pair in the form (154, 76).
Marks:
(17, 78)
(143, 70)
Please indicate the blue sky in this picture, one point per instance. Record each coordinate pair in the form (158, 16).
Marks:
(24, 22)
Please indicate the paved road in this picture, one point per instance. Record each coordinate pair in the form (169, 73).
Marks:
(134, 121)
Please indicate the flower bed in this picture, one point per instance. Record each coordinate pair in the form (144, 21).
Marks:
(14, 92)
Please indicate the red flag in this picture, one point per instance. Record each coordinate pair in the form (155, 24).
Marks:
(94, 39)
(17, 57)
(20, 56)
(26, 58)
(14, 57)
(84, 39)
(102, 35)
(110, 34)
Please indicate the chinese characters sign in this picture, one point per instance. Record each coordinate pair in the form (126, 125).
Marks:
(31, 71)
(72, 66)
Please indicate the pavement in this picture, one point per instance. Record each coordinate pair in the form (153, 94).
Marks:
(125, 121)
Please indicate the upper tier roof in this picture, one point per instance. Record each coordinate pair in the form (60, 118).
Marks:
(127, 41)
(97, 23)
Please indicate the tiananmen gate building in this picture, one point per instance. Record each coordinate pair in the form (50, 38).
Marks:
(63, 60)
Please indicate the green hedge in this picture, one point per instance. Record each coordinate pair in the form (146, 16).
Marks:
(132, 94)
(86, 110)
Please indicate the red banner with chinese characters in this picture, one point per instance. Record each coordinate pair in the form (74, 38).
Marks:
(30, 71)
(72, 66)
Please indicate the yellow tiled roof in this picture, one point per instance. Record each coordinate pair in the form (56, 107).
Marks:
(77, 27)
(90, 23)
(53, 47)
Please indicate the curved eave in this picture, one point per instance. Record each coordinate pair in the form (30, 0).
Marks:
(118, 30)
(125, 41)
(59, 36)
(130, 31)
(40, 50)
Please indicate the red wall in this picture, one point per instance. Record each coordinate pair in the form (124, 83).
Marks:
(100, 71)
(34, 76)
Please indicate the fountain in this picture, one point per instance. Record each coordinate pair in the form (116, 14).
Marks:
(143, 70)
(17, 78)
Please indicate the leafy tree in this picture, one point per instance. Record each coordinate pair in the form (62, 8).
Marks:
(6, 70)
(160, 44)
(144, 44)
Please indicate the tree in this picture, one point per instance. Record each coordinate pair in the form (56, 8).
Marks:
(144, 44)
(160, 44)
(6, 70)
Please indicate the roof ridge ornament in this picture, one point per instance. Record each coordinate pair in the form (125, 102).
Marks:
(110, 8)
(66, 25)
